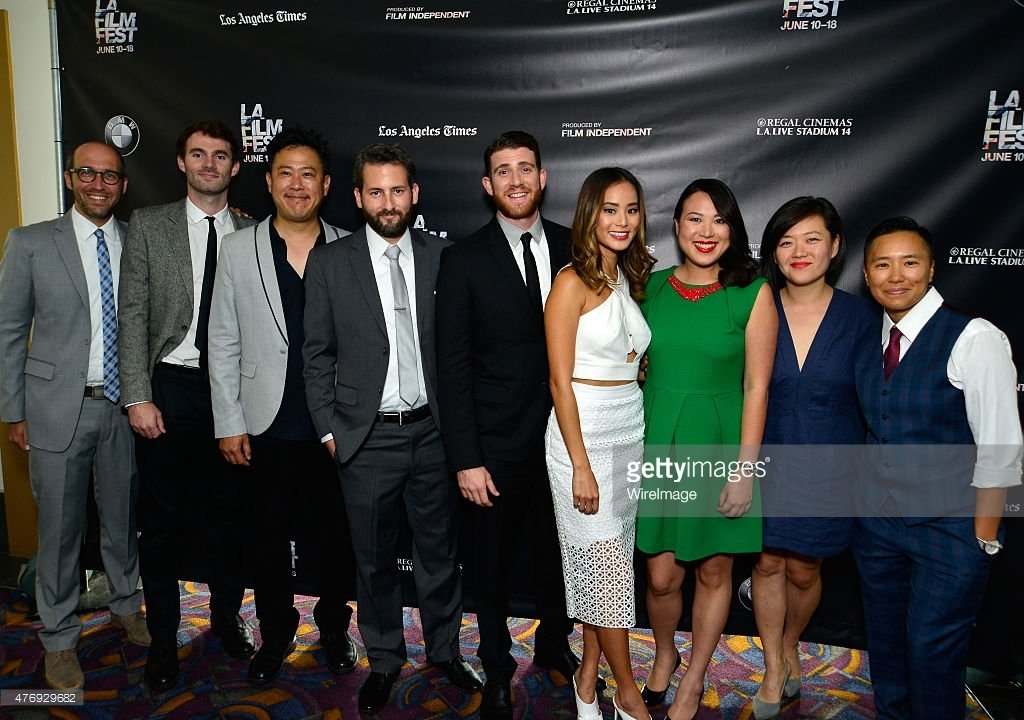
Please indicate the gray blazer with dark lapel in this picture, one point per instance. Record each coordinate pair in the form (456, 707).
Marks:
(248, 339)
(43, 290)
(155, 299)
(346, 350)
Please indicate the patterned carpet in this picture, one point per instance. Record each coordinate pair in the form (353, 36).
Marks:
(212, 685)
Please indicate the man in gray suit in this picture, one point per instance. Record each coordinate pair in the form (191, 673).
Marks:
(370, 380)
(58, 281)
(167, 274)
(260, 412)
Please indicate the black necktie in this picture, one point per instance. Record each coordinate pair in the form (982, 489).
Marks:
(206, 293)
(530, 265)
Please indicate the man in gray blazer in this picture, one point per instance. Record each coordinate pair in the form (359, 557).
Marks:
(60, 395)
(167, 274)
(370, 380)
(260, 412)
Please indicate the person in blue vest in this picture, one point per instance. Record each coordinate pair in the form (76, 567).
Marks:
(938, 392)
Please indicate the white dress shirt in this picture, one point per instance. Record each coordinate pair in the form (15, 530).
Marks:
(390, 400)
(198, 231)
(539, 246)
(85, 234)
(981, 365)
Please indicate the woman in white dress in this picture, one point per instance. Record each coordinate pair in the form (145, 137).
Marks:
(596, 336)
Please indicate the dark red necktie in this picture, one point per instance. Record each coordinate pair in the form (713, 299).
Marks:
(891, 357)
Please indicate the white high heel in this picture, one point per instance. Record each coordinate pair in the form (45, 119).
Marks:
(620, 714)
(585, 710)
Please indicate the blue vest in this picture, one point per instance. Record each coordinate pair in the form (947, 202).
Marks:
(920, 451)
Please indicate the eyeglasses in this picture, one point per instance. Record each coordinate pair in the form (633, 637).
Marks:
(88, 174)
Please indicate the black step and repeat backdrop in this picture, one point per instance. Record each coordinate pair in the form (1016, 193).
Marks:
(894, 107)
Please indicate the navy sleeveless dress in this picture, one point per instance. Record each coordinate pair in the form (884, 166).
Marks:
(814, 423)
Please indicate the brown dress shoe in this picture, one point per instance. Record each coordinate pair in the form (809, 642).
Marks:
(63, 671)
(134, 626)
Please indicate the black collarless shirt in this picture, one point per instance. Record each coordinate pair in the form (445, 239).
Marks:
(293, 421)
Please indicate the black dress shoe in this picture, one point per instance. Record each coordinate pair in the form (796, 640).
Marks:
(376, 690)
(161, 665)
(461, 673)
(267, 663)
(340, 651)
(564, 662)
(235, 636)
(496, 703)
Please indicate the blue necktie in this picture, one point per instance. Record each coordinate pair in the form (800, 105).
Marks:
(111, 378)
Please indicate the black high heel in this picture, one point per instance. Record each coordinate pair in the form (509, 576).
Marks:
(657, 697)
(704, 689)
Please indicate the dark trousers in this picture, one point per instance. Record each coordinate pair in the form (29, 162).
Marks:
(403, 467)
(522, 518)
(294, 482)
(184, 488)
(922, 587)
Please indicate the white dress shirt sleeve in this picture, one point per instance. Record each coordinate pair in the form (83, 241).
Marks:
(981, 365)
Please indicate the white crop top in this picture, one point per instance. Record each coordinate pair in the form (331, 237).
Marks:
(608, 334)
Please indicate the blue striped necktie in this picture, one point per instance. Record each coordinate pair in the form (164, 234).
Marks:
(111, 378)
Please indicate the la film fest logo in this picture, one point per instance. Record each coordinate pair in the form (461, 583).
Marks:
(419, 13)
(251, 19)
(1003, 257)
(122, 133)
(810, 15)
(581, 130)
(814, 126)
(115, 30)
(425, 131)
(590, 7)
(257, 132)
(1004, 128)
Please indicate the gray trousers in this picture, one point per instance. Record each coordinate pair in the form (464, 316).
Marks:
(403, 466)
(60, 483)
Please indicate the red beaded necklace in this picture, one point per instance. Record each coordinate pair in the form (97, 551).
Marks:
(693, 294)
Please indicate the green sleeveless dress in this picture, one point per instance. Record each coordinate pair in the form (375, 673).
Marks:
(693, 403)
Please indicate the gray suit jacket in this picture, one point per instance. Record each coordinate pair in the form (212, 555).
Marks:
(248, 340)
(346, 349)
(43, 290)
(155, 298)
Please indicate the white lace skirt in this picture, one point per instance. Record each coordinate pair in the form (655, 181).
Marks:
(597, 550)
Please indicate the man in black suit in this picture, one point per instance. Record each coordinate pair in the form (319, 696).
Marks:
(370, 375)
(494, 401)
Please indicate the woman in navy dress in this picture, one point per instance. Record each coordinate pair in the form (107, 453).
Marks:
(813, 419)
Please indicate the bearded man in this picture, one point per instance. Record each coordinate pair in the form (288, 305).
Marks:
(371, 380)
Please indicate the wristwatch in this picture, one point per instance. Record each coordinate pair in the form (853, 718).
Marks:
(991, 547)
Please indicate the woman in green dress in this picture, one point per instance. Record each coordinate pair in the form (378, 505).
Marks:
(713, 325)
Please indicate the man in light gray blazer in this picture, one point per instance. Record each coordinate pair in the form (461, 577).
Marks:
(260, 412)
(370, 380)
(185, 490)
(59, 391)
